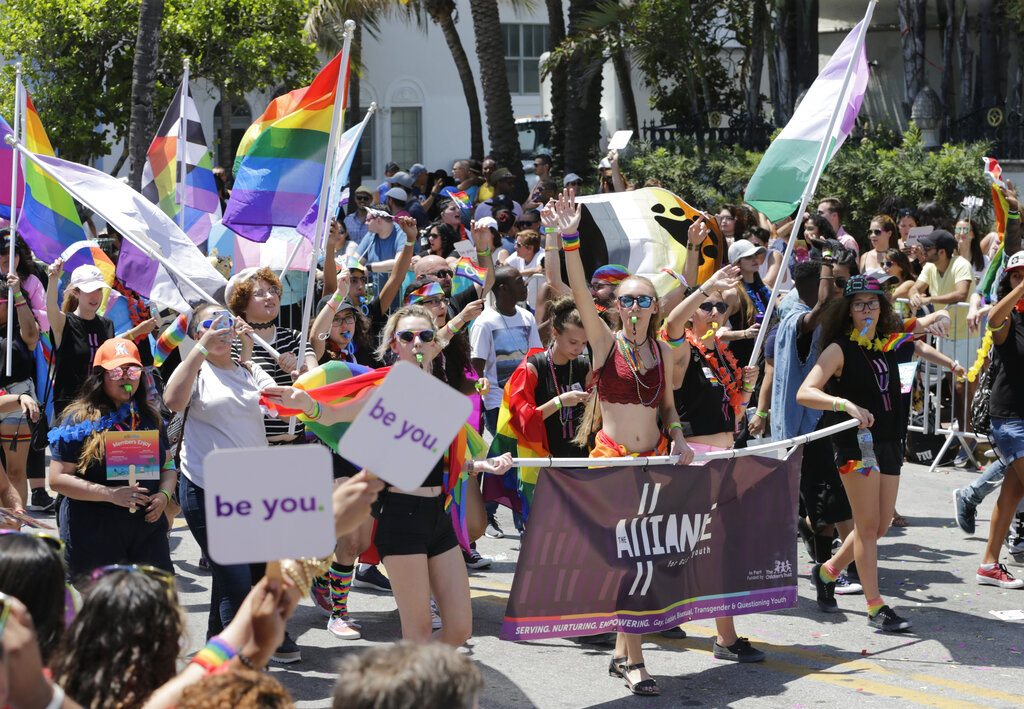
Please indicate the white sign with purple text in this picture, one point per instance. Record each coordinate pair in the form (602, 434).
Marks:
(268, 504)
(405, 426)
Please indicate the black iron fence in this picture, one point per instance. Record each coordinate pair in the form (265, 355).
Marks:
(1003, 127)
(751, 133)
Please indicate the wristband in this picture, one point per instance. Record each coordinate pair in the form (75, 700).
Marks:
(558, 402)
(307, 417)
(1013, 215)
(691, 247)
(57, 700)
(484, 253)
(988, 326)
(202, 350)
(454, 330)
(19, 298)
(551, 248)
(675, 425)
(953, 366)
(762, 414)
(169, 465)
(571, 242)
(411, 242)
(747, 387)
(167, 495)
(215, 654)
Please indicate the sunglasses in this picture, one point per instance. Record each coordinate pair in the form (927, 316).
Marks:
(56, 543)
(120, 373)
(719, 306)
(153, 572)
(876, 232)
(886, 264)
(962, 230)
(436, 300)
(408, 336)
(840, 283)
(440, 275)
(363, 198)
(574, 183)
(261, 293)
(644, 301)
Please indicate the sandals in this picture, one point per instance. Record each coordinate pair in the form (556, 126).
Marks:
(616, 665)
(645, 687)
(899, 520)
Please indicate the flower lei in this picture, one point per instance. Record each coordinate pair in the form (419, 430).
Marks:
(732, 381)
(137, 309)
(80, 431)
(878, 344)
(986, 347)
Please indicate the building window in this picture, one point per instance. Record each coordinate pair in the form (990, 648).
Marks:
(406, 136)
(523, 46)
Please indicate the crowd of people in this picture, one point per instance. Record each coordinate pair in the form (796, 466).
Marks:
(449, 273)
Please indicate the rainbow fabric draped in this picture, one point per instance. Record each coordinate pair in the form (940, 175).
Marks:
(170, 338)
(280, 162)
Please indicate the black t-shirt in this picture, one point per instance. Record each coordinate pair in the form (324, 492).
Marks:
(702, 401)
(22, 361)
(1007, 400)
(871, 380)
(458, 302)
(78, 345)
(560, 435)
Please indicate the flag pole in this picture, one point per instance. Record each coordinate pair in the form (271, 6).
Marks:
(812, 183)
(148, 250)
(19, 92)
(181, 167)
(321, 213)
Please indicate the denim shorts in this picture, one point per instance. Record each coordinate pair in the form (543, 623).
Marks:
(1008, 435)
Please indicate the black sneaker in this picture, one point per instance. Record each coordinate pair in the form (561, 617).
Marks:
(826, 592)
(474, 560)
(287, 652)
(41, 501)
(887, 620)
(805, 533)
(373, 579)
(675, 633)
(739, 651)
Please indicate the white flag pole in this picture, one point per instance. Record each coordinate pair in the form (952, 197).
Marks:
(812, 183)
(181, 168)
(19, 119)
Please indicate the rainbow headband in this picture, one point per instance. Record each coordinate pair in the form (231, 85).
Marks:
(613, 274)
(421, 294)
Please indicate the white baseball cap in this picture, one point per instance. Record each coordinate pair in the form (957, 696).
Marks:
(87, 279)
(1016, 261)
(741, 248)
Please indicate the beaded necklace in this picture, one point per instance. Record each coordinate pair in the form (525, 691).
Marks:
(731, 377)
(565, 413)
(880, 371)
(630, 353)
(758, 293)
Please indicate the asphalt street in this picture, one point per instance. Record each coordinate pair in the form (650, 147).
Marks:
(957, 655)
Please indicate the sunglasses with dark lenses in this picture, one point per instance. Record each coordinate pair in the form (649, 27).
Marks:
(363, 198)
(118, 374)
(54, 542)
(644, 301)
(442, 274)
(153, 572)
(840, 283)
(886, 264)
(720, 306)
(876, 232)
(408, 336)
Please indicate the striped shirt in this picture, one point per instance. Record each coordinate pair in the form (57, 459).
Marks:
(284, 340)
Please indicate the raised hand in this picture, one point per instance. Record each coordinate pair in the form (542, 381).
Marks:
(568, 214)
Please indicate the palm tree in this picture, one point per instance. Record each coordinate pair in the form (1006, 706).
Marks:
(558, 75)
(147, 44)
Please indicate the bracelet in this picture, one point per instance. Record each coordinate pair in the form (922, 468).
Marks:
(571, 242)
(314, 416)
(762, 414)
(703, 292)
(215, 654)
(246, 661)
(953, 366)
(558, 402)
(167, 495)
(1013, 215)
(484, 253)
(57, 700)
(675, 425)
(202, 350)
(19, 298)
(840, 403)
(551, 248)
(691, 247)
(988, 326)
(747, 387)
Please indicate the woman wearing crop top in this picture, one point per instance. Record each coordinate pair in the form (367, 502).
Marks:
(634, 371)
(858, 373)
(711, 391)
(415, 536)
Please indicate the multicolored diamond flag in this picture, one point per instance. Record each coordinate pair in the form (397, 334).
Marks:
(197, 193)
(467, 269)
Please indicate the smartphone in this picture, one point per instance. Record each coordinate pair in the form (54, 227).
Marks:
(227, 322)
(576, 387)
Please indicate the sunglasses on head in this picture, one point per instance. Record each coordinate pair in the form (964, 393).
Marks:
(153, 572)
(720, 306)
(408, 336)
(133, 372)
(440, 275)
(54, 542)
(644, 301)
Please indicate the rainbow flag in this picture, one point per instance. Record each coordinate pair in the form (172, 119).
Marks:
(170, 338)
(88, 253)
(427, 291)
(467, 269)
(48, 219)
(459, 197)
(198, 193)
(280, 163)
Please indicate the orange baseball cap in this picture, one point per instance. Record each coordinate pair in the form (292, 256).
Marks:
(115, 352)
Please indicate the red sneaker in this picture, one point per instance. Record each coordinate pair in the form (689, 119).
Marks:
(998, 576)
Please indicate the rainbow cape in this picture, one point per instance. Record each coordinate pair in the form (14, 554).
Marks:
(521, 429)
(88, 253)
(337, 382)
(280, 161)
(990, 281)
(467, 269)
(170, 338)
(47, 220)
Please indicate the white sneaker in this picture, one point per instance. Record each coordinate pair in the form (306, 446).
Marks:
(341, 626)
(435, 617)
(846, 587)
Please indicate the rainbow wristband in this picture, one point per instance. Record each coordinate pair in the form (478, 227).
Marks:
(571, 242)
(216, 653)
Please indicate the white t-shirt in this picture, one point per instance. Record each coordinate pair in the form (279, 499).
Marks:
(502, 341)
(224, 412)
(533, 282)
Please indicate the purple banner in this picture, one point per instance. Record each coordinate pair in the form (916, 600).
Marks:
(640, 550)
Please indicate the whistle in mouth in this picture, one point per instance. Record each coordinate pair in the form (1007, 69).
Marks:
(128, 388)
(633, 319)
(709, 333)
(864, 332)
(419, 358)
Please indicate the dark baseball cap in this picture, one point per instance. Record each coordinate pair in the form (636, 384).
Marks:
(940, 239)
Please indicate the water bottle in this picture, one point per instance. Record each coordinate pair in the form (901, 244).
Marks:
(867, 448)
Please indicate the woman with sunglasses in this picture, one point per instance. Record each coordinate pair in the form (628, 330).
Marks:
(440, 241)
(340, 331)
(633, 370)
(896, 264)
(106, 519)
(414, 536)
(969, 246)
(857, 374)
(882, 235)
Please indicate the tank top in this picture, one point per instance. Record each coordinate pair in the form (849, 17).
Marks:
(560, 444)
(701, 400)
(871, 380)
(617, 385)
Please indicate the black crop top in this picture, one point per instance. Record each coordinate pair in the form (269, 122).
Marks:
(702, 402)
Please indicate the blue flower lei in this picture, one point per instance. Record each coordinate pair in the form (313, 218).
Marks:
(80, 431)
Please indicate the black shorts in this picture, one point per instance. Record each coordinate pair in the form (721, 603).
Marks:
(413, 525)
(888, 453)
(821, 491)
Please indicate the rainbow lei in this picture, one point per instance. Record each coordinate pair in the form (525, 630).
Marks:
(878, 344)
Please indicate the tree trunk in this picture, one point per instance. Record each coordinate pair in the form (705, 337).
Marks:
(622, 74)
(912, 42)
(224, 156)
(966, 67)
(783, 96)
(989, 68)
(451, 36)
(583, 99)
(147, 46)
(558, 74)
(501, 126)
(355, 174)
(805, 44)
(753, 68)
(947, 22)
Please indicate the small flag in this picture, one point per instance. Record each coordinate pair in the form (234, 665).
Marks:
(88, 253)
(677, 276)
(467, 269)
(427, 291)
(460, 198)
(170, 338)
(613, 273)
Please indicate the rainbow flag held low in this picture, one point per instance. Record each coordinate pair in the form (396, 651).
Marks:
(427, 291)
(467, 269)
(170, 338)
(88, 253)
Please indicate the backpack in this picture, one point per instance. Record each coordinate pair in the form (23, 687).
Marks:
(980, 418)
